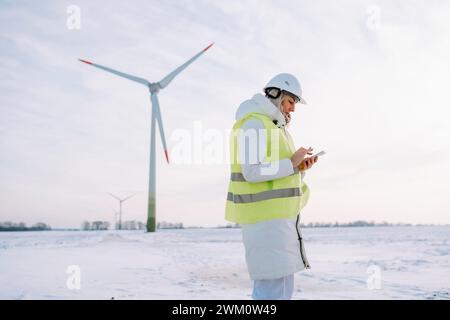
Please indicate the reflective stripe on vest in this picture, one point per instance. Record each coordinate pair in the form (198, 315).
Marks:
(265, 195)
(237, 176)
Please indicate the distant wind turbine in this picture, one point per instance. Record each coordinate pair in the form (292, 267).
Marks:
(120, 206)
(154, 88)
(116, 214)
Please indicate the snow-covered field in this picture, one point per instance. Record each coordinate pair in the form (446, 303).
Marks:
(411, 263)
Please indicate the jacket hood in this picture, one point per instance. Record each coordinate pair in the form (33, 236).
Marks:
(261, 104)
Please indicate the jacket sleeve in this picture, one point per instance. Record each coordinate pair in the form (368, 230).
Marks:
(252, 152)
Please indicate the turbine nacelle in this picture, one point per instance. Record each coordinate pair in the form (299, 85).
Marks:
(154, 87)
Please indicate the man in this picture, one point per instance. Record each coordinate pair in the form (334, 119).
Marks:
(266, 191)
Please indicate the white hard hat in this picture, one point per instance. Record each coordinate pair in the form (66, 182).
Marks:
(284, 82)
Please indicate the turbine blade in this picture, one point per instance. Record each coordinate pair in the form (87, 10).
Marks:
(155, 105)
(167, 79)
(129, 197)
(118, 73)
(114, 196)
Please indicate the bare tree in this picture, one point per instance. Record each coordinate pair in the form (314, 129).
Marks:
(85, 226)
(40, 226)
(95, 225)
(141, 226)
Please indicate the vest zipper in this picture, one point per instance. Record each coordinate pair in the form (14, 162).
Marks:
(302, 248)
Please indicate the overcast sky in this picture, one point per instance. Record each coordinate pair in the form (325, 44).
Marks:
(375, 74)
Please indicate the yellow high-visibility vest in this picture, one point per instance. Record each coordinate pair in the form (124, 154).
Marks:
(251, 202)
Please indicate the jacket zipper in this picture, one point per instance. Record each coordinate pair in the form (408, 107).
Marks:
(302, 248)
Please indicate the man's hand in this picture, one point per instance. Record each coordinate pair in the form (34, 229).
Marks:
(299, 155)
(307, 163)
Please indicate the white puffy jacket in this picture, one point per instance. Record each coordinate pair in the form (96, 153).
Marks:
(272, 248)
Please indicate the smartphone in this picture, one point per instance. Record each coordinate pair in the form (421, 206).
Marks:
(321, 153)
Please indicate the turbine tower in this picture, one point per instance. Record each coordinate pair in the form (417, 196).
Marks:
(153, 88)
(120, 206)
(116, 213)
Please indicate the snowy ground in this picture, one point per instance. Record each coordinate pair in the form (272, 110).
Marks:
(414, 263)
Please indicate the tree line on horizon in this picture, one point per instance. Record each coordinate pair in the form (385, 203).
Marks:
(89, 226)
(358, 223)
(127, 225)
(105, 225)
(21, 226)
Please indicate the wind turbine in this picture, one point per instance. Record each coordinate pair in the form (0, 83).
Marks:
(120, 206)
(153, 88)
